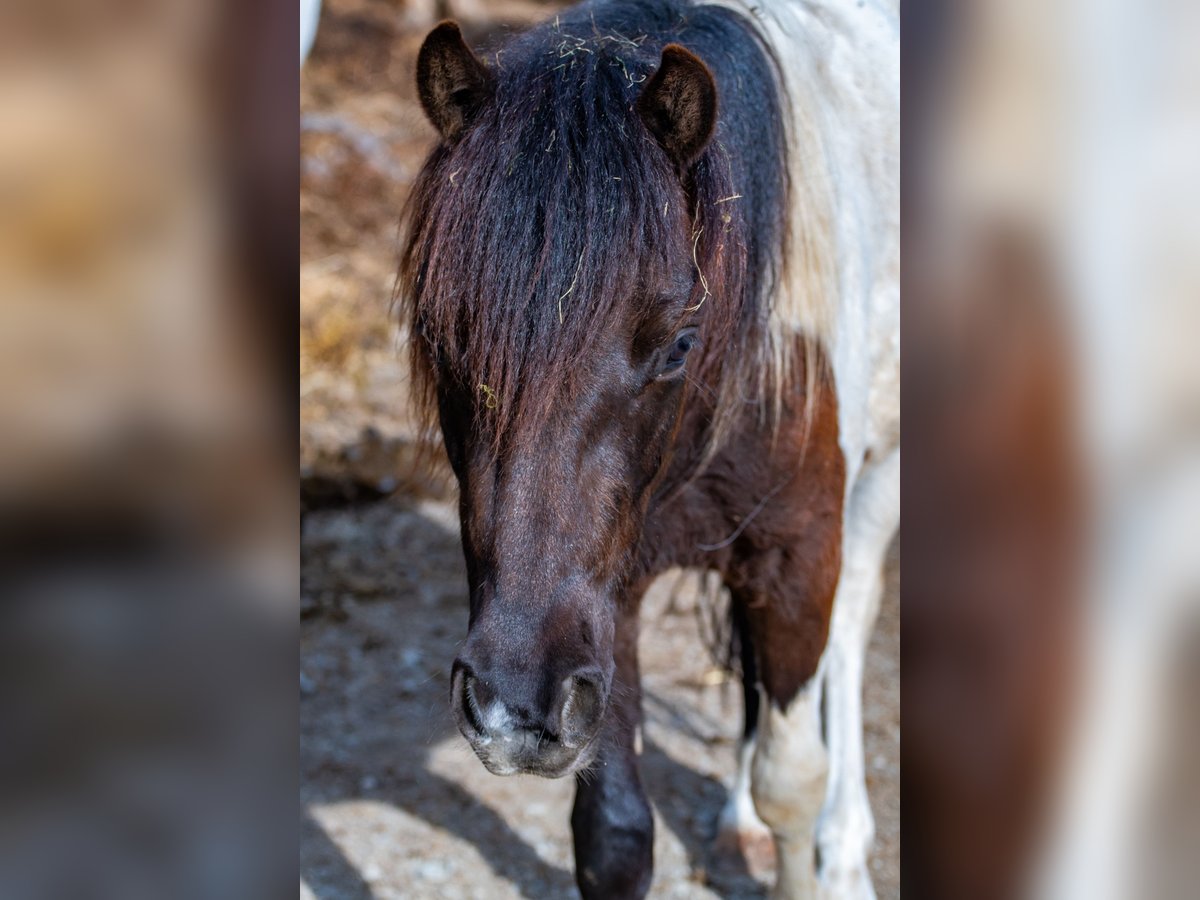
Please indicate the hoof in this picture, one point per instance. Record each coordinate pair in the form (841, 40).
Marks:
(743, 851)
(852, 883)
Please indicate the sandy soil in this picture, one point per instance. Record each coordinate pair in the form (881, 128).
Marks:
(393, 802)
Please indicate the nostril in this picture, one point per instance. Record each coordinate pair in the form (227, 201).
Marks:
(583, 705)
(467, 702)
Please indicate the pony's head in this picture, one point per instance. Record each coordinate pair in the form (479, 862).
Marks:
(559, 279)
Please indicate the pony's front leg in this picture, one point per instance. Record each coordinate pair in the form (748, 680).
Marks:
(787, 596)
(612, 822)
(789, 773)
(847, 828)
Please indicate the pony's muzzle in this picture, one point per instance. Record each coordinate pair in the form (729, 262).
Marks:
(513, 733)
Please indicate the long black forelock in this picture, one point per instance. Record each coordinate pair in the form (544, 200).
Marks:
(545, 223)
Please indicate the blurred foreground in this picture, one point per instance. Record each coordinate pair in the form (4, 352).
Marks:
(147, 422)
(1052, 475)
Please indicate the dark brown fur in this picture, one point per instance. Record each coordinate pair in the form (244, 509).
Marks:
(785, 508)
(679, 105)
(451, 82)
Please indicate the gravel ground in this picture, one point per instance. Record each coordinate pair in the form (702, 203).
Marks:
(393, 803)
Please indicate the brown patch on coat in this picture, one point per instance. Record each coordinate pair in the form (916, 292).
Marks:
(767, 515)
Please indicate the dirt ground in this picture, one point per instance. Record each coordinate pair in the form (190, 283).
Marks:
(393, 803)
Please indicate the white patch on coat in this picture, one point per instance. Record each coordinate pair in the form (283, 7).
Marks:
(841, 74)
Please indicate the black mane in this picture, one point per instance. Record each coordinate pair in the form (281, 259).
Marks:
(538, 226)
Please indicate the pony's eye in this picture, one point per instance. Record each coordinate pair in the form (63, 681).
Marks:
(679, 349)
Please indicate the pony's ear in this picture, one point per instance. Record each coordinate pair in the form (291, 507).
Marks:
(679, 105)
(451, 81)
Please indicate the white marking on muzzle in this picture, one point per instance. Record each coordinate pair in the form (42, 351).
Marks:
(497, 721)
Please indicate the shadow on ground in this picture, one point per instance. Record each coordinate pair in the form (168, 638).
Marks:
(385, 611)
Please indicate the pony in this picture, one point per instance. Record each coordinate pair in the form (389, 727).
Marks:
(650, 278)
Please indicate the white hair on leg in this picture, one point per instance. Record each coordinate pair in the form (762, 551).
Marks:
(739, 828)
(788, 784)
(846, 829)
